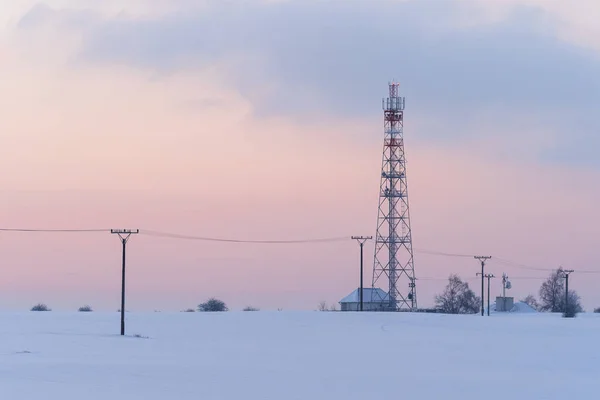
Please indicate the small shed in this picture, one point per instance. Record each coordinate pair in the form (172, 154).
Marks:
(504, 304)
(374, 299)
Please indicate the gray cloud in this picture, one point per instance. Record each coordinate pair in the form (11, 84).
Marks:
(336, 58)
(41, 14)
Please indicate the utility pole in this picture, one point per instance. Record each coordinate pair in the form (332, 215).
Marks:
(482, 259)
(489, 276)
(124, 235)
(505, 285)
(412, 294)
(361, 241)
(566, 274)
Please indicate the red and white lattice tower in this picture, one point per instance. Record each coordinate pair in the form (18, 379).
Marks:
(393, 269)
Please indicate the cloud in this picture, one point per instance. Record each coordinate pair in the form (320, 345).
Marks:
(313, 60)
(41, 14)
(574, 23)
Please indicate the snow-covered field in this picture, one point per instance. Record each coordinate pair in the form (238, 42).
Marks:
(298, 355)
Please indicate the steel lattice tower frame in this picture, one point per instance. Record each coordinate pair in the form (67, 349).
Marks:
(394, 262)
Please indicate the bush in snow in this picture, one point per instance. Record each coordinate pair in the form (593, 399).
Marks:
(213, 305)
(597, 310)
(85, 309)
(323, 307)
(250, 308)
(574, 307)
(40, 307)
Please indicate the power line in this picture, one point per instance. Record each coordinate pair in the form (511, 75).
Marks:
(432, 279)
(181, 236)
(52, 230)
(499, 260)
(441, 253)
(502, 261)
(579, 271)
(528, 277)
(514, 264)
(228, 240)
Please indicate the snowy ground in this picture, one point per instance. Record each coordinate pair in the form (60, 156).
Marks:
(298, 355)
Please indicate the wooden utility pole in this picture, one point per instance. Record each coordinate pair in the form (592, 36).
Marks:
(482, 259)
(489, 276)
(361, 241)
(124, 235)
(566, 274)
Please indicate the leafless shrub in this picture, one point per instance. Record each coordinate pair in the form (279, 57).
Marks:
(457, 298)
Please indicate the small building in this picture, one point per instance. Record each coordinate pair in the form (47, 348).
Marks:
(373, 300)
(504, 304)
(508, 305)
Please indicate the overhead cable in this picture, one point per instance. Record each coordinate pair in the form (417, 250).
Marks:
(52, 230)
(231, 240)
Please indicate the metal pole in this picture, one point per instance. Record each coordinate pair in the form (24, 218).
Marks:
(123, 290)
(504, 278)
(361, 275)
(567, 294)
(566, 274)
(488, 310)
(124, 235)
(482, 259)
(361, 241)
(482, 277)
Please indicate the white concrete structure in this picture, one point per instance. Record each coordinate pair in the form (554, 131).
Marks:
(371, 300)
(504, 304)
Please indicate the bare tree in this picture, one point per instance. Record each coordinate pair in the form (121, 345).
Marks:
(531, 301)
(457, 298)
(552, 292)
(213, 305)
(552, 295)
(322, 306)
(333, 307)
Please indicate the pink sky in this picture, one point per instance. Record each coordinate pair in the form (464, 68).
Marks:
(112, 147)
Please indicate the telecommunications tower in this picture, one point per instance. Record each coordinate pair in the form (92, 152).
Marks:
(393, 269)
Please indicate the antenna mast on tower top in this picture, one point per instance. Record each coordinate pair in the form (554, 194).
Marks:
(394, 263)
